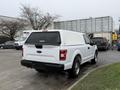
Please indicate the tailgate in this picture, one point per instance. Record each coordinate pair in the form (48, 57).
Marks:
(47, 53)
(43, 47)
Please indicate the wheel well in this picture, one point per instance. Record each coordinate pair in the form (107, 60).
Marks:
(96, 52)
(78, 55)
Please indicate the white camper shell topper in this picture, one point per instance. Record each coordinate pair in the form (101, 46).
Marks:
(58, 50)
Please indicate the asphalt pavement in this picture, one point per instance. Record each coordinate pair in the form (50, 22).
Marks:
(13, 76)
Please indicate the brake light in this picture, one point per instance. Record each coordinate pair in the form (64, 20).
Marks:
(63, 54)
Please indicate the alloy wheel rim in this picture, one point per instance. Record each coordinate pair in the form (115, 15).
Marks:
(77, 69)
(96, 58)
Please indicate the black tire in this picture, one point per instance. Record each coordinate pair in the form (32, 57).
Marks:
(94, 61)
(17, 48)
(75, 71)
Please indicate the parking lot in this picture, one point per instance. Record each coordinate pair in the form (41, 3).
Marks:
(13, 76)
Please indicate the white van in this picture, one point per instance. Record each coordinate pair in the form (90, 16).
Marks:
(21, 40)
(58, 50)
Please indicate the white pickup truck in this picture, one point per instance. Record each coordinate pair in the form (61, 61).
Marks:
(58, 50)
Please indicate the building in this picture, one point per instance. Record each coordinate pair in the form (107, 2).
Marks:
(99, 26)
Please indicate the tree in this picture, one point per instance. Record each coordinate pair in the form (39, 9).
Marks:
(36, 19)
(9, 28)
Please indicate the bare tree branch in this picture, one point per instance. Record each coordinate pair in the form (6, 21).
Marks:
(10, 28)
(35, 17)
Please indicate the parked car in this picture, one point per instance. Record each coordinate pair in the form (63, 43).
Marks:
(59, 50)
(101, 42)
(8, 45)
(3, 39)
(118, 45)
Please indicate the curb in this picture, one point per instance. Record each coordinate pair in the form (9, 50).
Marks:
(84, 76)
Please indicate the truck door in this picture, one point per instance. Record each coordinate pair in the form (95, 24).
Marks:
(89, 48)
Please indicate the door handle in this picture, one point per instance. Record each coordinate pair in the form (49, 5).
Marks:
(39, 51)
(88, 47)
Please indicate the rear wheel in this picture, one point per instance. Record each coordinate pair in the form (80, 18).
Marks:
(75, 71)
(94, 61)
(17, 48)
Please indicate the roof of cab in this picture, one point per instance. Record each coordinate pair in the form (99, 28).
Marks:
(60, 30)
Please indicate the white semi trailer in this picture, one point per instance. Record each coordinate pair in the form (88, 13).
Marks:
(100, 26)
(90, 25)
(108, 36)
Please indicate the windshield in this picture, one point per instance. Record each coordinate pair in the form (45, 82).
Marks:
(97, 40)
(9, 42)
(44, 38)
(21, 39)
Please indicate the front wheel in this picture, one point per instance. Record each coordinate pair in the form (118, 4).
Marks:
(94, 61)
(75, 71)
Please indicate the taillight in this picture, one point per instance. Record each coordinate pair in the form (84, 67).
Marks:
(63, 54)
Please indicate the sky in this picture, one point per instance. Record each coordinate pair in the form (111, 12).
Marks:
(66, 9)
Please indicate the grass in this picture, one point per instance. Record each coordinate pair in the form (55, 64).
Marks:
(106, 78)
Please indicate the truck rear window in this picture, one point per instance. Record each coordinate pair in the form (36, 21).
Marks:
(44, 38)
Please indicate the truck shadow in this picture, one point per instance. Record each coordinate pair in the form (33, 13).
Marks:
(59, 80)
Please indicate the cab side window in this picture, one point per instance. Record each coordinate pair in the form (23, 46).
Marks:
(87, 40)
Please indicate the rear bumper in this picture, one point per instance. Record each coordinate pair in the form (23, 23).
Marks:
(18, 47)
(102, 47)
(42, 66)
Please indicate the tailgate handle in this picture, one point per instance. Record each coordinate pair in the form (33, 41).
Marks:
(39, 51)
